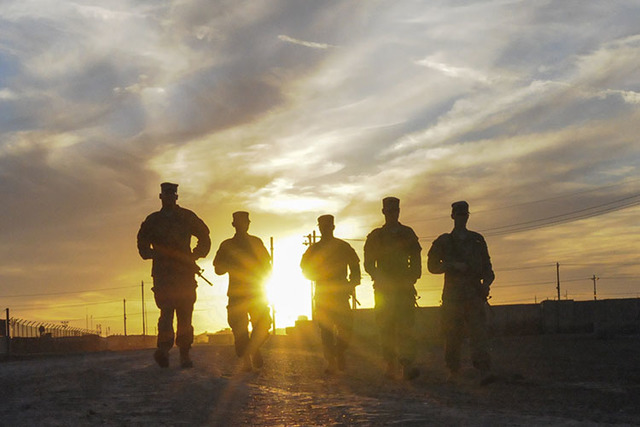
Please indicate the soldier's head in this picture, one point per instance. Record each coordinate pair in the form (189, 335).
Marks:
(241, 221)
(460, 213)
(168, 194)
(391, 209)
(326, 225)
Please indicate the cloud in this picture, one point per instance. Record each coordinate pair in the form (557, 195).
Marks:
(313, 45)
(249, 104)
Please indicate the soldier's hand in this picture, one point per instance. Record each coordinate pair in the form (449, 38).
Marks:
(484, 291)
(458, 266)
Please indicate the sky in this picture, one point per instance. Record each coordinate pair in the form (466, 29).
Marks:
(290, 109)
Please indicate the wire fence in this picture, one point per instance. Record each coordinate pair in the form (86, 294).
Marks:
(20, 328)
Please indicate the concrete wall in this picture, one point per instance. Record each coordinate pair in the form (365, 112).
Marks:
(565, 316)
(81, 344)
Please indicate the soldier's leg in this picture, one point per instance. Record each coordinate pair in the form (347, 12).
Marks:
(165, 323)
(327, 336)
(184, 327)
(478, 336)
(344, 326)
(453, 329)
(344, 330)
(386, 327)
(238, 319)
(405, 312)
(405, 315)
(260, 326)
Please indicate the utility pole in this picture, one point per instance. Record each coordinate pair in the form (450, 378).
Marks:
(7, 333)
(558, 279)
(558, 288)
(124, 305)
(144, 326)
(311, 239)
(595, 293)
(273, 307)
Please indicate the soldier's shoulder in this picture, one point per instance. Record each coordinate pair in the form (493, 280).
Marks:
(186, 212)
(444, 238)
(375, 232)
(226, 242)
(153, 216)
(408, 231)
(477, 236)
(256, 240)
(343, 244)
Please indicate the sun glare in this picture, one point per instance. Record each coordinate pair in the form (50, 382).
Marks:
(289, 293)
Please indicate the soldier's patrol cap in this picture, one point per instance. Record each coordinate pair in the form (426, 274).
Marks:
(390, 203)
(460, 207)
(168, 187)
(325, 219)
(240, 215)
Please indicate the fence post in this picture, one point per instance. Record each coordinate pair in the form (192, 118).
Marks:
(7, 333)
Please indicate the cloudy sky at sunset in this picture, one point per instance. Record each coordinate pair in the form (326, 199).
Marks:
(530, 111)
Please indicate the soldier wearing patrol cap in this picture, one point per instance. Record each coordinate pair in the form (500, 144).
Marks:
(335, 268)
(392, 259)
(248, 263)
(463, 257)
(165, 238)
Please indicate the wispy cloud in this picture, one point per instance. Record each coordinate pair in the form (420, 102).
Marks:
(313, 45)
(499, 102)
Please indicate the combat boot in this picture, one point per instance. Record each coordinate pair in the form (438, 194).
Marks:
(390, 372)
(246, 363)
(185, 360)
(161, 356)
(331, 365)
(341, 362)
(410, 372)
(257, 360)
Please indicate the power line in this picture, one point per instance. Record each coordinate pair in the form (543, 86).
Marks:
(563, 218)
(533, 202)
(66, 292)
(46, 305)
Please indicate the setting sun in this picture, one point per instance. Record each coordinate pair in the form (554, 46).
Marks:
(289, 293)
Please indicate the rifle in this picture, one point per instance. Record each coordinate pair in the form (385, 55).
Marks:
(199, 273)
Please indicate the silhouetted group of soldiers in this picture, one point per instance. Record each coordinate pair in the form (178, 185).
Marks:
(391, 258)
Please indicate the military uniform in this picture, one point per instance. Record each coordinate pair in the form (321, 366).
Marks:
(248, 263)
(326, 263)
(165, 237)
(392, 259)
(464, 293)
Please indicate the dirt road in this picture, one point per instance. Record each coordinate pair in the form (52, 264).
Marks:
(541, 380)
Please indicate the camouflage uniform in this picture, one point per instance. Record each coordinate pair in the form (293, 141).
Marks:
(248, 263)
(392, 259)
(326, 263)
(165, 237)
(464, 295)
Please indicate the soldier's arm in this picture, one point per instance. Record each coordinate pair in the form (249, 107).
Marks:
(201, 232)
(355, 276)
(488, 276)
(220, 261)
(370, 257)
(306, 264)
(415, 261)
(264, 257)
(144, 242)
(435, 261)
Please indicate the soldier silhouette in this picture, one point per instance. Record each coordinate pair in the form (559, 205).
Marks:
(463, 257)
(335, 268)
(246, 260)
(392, 259)
(165, 237)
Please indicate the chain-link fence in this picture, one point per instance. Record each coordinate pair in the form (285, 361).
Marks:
(20, 328)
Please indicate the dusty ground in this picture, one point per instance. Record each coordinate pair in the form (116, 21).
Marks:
(542, 380)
